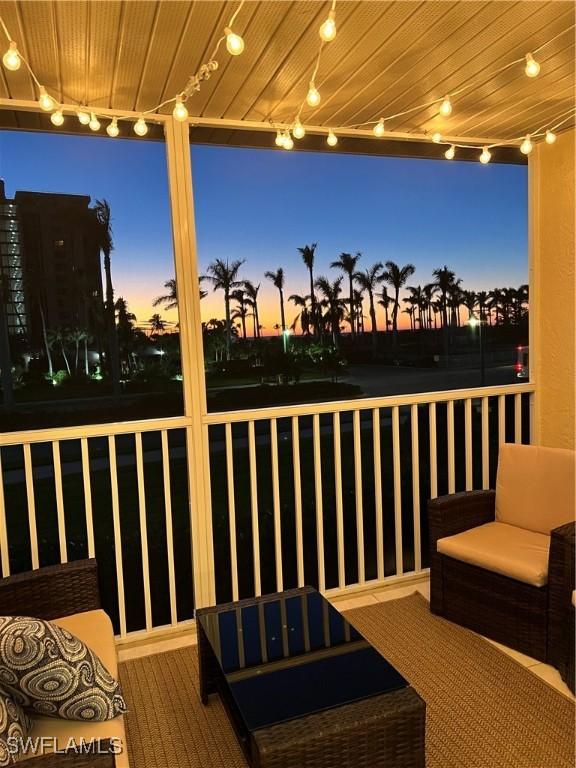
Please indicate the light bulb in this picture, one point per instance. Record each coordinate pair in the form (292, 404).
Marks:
(446, 107)
(436, 137)
(279, 140)
(140, 127)
(299, 131)
(46, 101)
(180, 112)
(450, 152)
(526, 146)
(332, 139)
(94, 122)
(313, 96)
(550, 137)
(11, 58)
(328, 28)
(112, 128)
(532, 68)
(57, 118)
(83, 117)
(378, 129)
(485, 157)
(287, 142)
(234, 43)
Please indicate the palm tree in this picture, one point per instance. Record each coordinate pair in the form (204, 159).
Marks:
(224, 277)
(419, 301)
(429, 291)
(241, 311)
(169, 300)
(307, 253)
(106, 243)
(157, 325)
(61, 336)
(396, 277)
(78, 335)
(368, 281)
(277, 279)
(482, 301)
(331, 293)
(410, 312)
(304, 316)
(444, 279)
(385, 302)
(469, 300)
(252, 299)
(347, 263)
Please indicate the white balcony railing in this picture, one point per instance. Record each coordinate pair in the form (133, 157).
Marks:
(331, 494)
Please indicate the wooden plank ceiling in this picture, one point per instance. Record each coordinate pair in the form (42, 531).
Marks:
(387, 57)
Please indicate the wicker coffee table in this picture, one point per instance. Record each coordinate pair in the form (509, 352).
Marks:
(303, 689)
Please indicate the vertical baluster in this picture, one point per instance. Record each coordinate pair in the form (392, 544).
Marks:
(29, 477)
(284, 622)
(485, 445)
(517, 418)
(254, 508)
(416, 486)
(262, 633)
(468, 443)
(339, 501)
(358, 495)
(117, 533)
(319, 507)
(143, 529)
(450, 441)
(231, 510)
(501, 419)
(433, 453)
(4, 551)
(298, 501)
(240, 637)
(87, 496)
(276, 505)
(305, 623)
(169, 529)
(59, 501)
(397, 490)
(378, 492)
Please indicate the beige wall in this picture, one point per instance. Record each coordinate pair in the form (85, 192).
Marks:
(552, 302)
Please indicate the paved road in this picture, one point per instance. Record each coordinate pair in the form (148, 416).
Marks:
(380, 380)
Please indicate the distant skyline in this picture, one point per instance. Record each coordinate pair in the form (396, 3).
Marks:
(261, 205)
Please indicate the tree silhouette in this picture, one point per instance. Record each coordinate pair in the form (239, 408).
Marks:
(106, 243)
(224, 277)
(396, 277)
(277, 279)
(308, 252)
(368, 281)
(347, 263)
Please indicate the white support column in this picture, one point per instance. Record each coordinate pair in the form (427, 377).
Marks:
(185, 258)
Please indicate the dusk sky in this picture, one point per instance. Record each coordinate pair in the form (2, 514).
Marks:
(260, 205)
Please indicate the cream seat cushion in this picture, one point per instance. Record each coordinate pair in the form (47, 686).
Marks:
(95, 629)
(502, 548)
(535, 487)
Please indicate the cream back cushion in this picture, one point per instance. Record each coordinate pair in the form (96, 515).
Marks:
(535, 487)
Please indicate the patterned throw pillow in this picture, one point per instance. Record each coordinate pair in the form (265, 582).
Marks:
(15, 726)
(49, 671)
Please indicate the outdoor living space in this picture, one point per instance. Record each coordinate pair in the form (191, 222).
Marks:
(287, 384)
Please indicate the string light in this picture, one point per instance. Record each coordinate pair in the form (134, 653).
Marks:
(11, 58)
(436, 137)
(94, 123)
(332, 139)
(234, 43)
(313, 96)
(112, 128)
(83, 117)
(279, 141)
(486, 156)
(532, 68)
(46, 102)
(550, 137)
(180, 112)
(328, 28)
(446, 107)
(287, 142)
(57, 118)
(140, 127)
(378, 129)
(298, 131)
(526, 146)
(450, 152)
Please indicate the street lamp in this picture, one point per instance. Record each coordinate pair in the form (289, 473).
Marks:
(475, 322)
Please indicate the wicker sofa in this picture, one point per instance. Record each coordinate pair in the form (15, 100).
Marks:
(501, 562)
(69, 596)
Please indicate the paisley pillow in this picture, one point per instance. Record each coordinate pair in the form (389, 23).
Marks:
(50, 672)
(15, 726)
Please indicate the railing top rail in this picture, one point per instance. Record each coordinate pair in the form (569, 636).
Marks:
(363, 403)
(92, 430)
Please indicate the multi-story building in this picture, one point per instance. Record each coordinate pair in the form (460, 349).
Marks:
(52, 261)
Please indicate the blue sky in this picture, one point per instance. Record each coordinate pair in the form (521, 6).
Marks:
(260, 205)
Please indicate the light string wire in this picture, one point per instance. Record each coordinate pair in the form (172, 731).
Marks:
(203, 73)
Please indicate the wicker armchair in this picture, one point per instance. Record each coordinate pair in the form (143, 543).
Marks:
(50, 593)
(494, 596)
